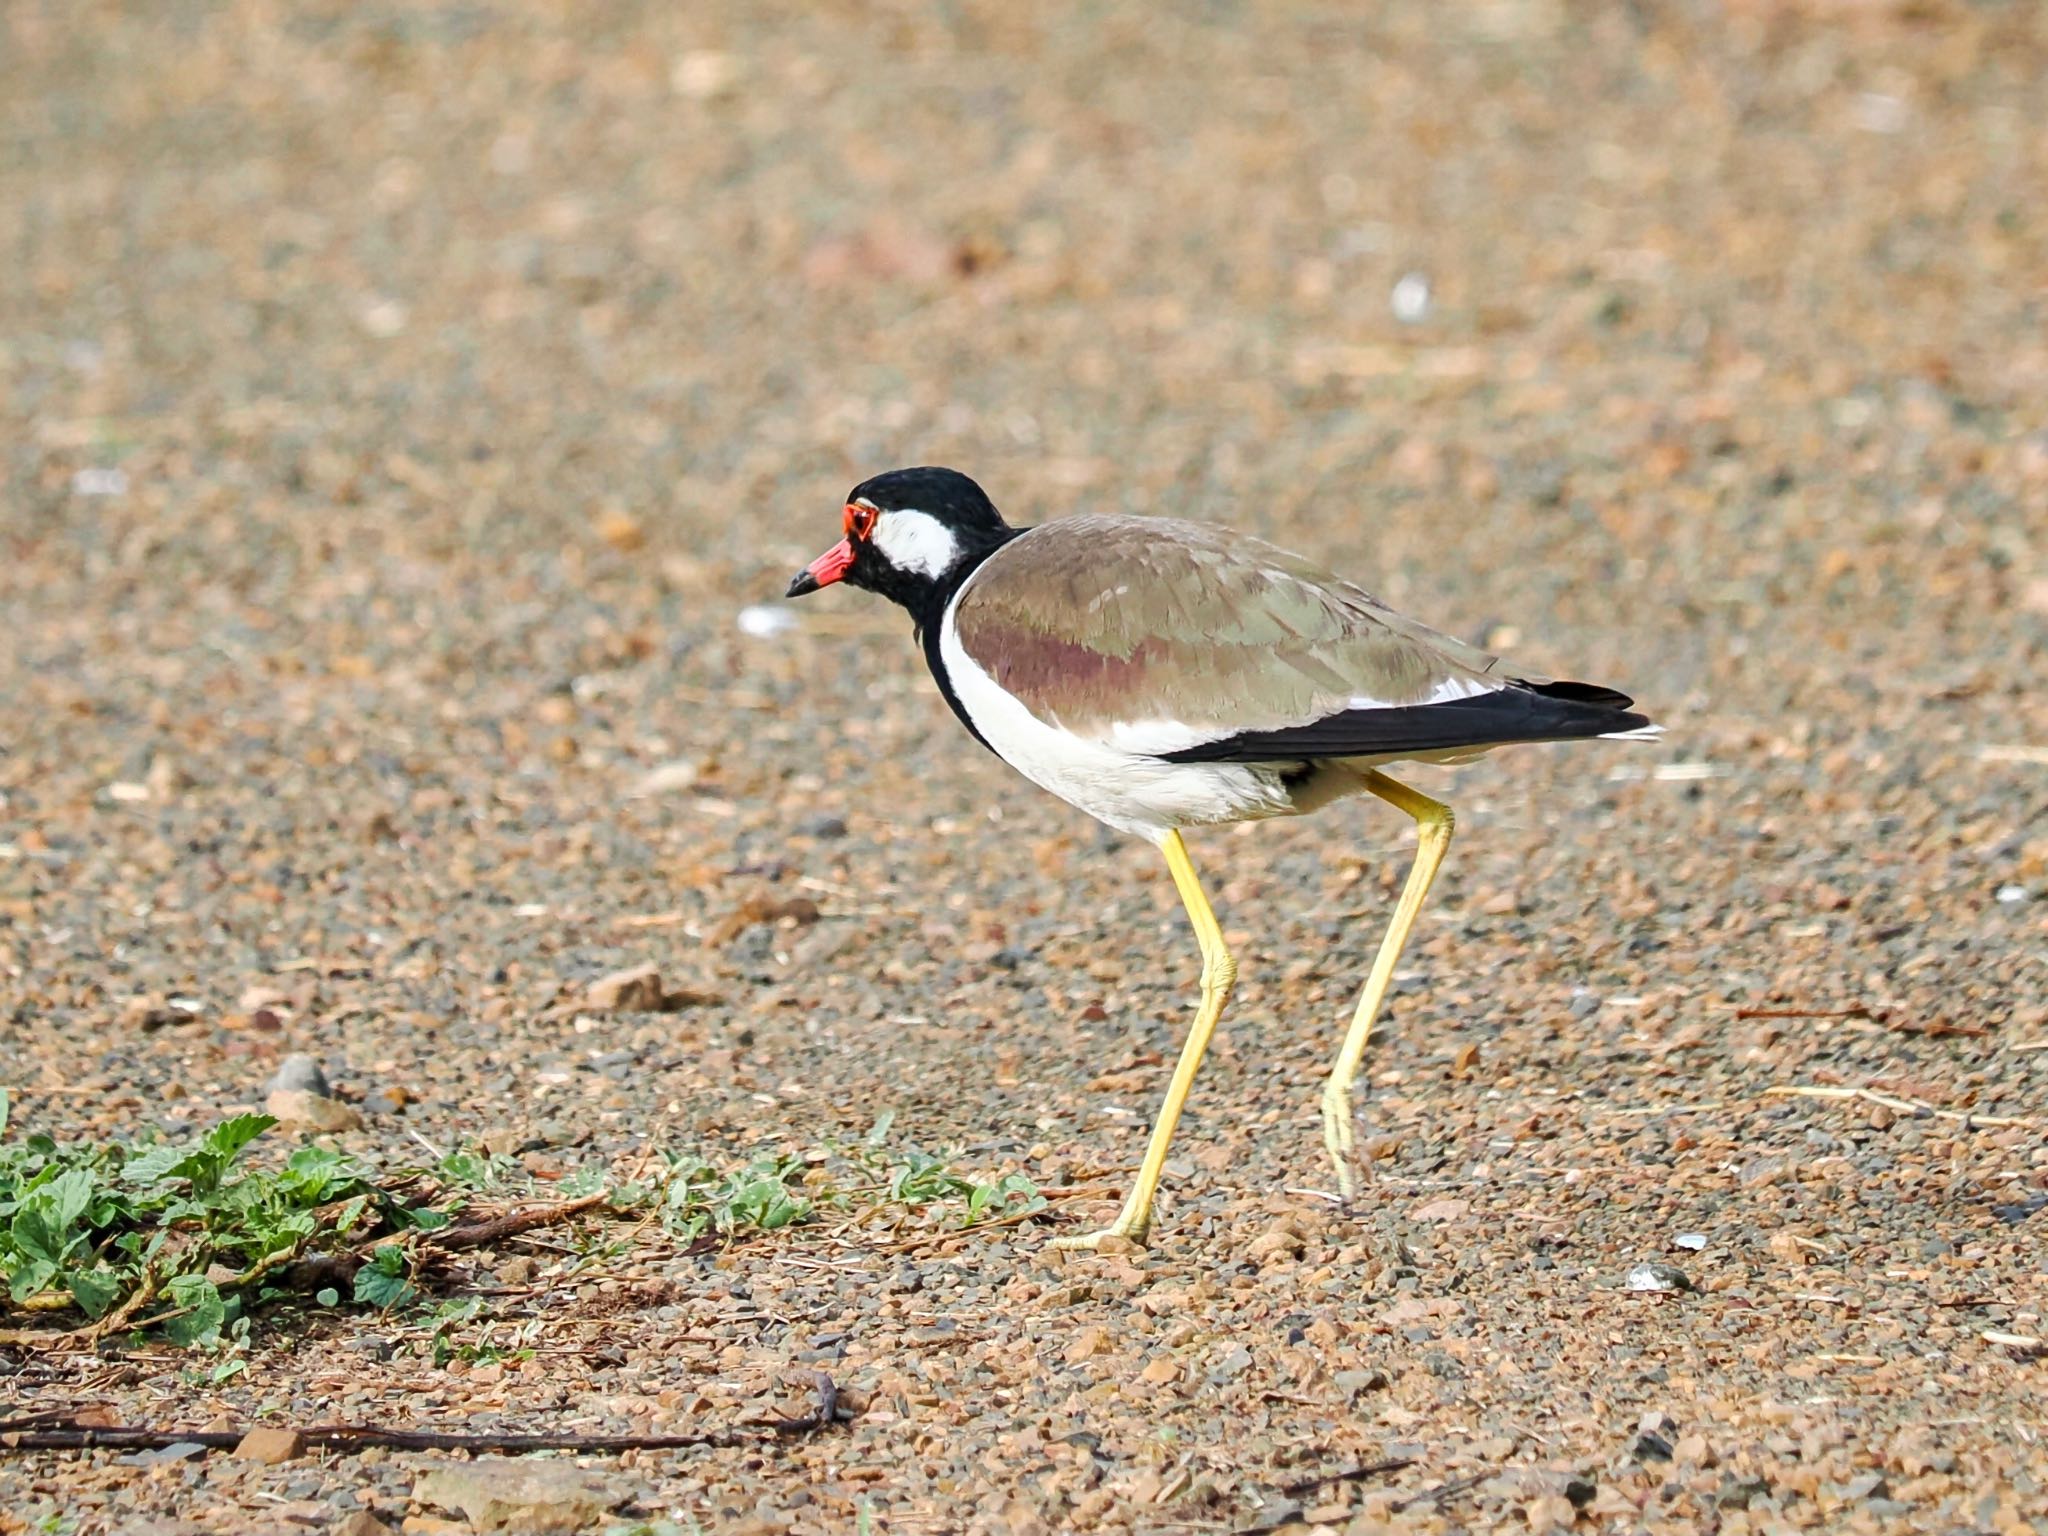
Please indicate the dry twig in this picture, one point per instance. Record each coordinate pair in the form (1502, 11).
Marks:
(66, 1432)
(1902, 1106)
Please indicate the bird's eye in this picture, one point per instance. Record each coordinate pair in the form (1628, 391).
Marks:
(860, 521)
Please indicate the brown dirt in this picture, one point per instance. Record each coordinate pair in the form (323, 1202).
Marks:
(398, 404)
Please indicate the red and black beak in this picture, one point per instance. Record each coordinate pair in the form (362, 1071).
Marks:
(858, 519)
(829, 567)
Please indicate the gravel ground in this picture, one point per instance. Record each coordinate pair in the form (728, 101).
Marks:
(400, 405)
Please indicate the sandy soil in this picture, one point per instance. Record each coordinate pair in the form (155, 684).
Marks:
(399, 404)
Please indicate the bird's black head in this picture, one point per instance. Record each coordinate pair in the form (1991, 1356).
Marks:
(912, 535)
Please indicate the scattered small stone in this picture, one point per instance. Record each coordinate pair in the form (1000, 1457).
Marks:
(764, 621)
(1691, 1241)
(1740, 1493)
(1087, 1344)
(639, 989)
(177, 1450)
(666, 778)
(270, 1444)
(2019, 1210)
(99, 482)
(385, 629)
(1445, 1210)
(634, 990)
(1657, 1278)
(502, 1493)
(300, 1073)
(150, 1014)
(1694, 1449)
(360, 1523)
(1651, 1447)
(1358, 1383)
(388, 1100)
(1410, 298)
(1233, 1364)
(620, 529)
(1276, 1513)
(296, 1109)
(1279, 1242)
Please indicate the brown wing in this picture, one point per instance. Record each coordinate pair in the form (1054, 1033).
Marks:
(1097, 622)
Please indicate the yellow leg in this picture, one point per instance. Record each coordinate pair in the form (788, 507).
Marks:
(1433, 824)
(1219, 973)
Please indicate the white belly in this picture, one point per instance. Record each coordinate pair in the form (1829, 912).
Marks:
(1129, 791)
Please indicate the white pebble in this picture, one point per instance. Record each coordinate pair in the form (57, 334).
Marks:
(764, 620)
(1410, 299)
(1661, 1278)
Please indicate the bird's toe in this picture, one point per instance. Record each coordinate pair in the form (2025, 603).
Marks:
(1110, 1240)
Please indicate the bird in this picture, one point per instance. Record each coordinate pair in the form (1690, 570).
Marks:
(1161, 674)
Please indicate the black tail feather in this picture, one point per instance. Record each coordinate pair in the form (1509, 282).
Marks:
(1520, 712)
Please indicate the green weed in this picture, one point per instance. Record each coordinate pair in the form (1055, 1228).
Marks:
(183, 1239)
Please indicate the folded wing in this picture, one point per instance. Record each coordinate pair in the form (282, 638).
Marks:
(1193, 643)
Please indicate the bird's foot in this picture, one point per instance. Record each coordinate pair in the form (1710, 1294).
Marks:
(1127, 1234)
(1112, 1239)
(1339, 1137)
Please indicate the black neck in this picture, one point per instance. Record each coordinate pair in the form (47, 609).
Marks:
(928, 613)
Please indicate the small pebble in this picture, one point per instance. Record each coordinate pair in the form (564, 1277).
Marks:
(763, 621)
(300, 1073)
(1657, 1278)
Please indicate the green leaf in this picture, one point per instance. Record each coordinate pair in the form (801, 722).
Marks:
(382, 1283)
(202, 1163)
(630, 1196)
(230, 1136)
(1013, 1194)
(153, 1166)
(424, 1218)
(95, 1289)
(459, 1309)
(45, 1217)
(327, 1296)
(313, 1175)
(29, 1276)
(204, 1311)
(4, 1107)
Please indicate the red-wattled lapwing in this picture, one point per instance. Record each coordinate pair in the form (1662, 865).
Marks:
(1162, 674)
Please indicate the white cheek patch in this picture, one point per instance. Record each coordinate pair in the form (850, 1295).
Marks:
(916, 542)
